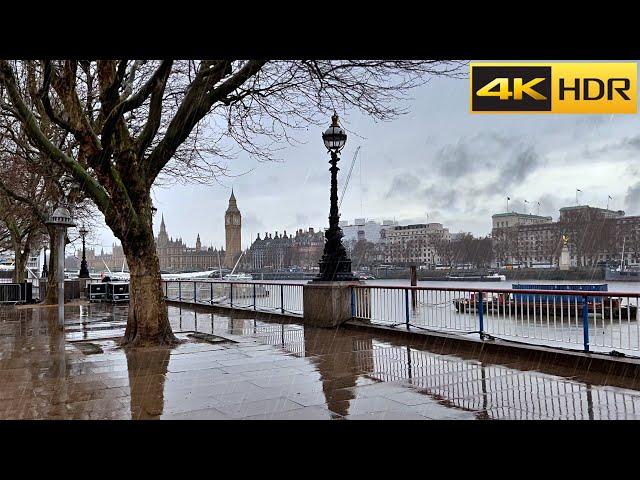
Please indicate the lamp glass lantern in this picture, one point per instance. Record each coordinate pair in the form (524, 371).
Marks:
(334, 137)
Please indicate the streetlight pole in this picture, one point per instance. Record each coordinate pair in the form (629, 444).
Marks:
(335, 265)
(84, 271)
(45, 269)
(61, 220)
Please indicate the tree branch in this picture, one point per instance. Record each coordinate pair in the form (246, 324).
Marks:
(94, 189)
(195, 105)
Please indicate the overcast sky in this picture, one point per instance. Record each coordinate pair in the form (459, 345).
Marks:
(438, 160)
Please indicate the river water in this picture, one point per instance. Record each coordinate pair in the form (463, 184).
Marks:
(627, 287)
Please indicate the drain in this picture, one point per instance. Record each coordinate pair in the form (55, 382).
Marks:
(89, 348)
(207, 337)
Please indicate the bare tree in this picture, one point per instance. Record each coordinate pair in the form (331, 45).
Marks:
(136, 123)
(30, 189)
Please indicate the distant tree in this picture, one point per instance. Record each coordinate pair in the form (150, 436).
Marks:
(446, 249)
(362, 252)
(30, 189)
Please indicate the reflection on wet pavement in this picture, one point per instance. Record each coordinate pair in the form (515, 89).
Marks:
(274, 371)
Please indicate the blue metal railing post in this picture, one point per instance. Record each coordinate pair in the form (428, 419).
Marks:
(353, 302)
(231, 294)
(180, 291)
(211, 294)
(195, 292)
(281, 298)
(585, 323)
(166, 290)
(254, 297)
(406, 307)
(480, 304)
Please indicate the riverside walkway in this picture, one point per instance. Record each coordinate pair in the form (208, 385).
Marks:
(240, 365)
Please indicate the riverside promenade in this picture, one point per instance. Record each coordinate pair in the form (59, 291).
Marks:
(248, 365)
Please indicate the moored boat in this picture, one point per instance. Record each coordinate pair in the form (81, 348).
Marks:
(526, 303)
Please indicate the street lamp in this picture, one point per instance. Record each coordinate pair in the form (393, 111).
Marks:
(84, 271)
(61, 220)
(334, 265)
(45, 268)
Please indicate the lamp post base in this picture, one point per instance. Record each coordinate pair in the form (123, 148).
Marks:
(327, 304)
(332, 270)
(84, 270)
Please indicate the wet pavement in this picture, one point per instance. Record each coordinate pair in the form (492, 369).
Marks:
(255, 369)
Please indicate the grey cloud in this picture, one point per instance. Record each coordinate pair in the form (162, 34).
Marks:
(485, 153)
(252, 222)
(440, 197)
(517, 168)
(403, 185)
(632, 198)
(629, 145)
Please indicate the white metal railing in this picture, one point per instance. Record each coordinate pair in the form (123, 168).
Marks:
(581, 320)
(283, 298)
(587, 320)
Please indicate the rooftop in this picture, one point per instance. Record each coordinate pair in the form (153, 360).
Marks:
(582, 207)
(517, 214)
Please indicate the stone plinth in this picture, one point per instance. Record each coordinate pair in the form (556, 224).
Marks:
(326, 304)
(565, 259)
(83, 287)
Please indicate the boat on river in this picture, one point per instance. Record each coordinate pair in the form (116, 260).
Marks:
(527, 303)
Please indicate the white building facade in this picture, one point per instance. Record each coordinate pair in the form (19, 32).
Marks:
(414, 244)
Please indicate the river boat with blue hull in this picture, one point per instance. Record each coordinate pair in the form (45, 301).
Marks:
(517, 304)
(622, 275)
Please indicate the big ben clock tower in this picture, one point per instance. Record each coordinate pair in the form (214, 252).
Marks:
(232, 227)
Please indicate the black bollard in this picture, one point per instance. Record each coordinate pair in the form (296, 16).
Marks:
(414, 283)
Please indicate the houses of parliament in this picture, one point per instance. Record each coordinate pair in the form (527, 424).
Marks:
(176, 256)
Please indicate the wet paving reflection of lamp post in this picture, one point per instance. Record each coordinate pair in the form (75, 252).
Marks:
(61, 220)
(84, 271)
(334, 265)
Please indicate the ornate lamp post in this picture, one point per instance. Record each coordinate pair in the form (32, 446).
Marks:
(334, 265)
(84, 271)
(45, 268)
(61, 220)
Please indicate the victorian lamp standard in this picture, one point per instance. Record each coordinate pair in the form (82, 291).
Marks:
(84, 271)
(334, 265)
(61, 220)
(45, 268)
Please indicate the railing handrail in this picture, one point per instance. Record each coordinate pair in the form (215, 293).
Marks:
(235, 282)
(584, 293)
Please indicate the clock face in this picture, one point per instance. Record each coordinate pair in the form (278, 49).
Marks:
(236, 220)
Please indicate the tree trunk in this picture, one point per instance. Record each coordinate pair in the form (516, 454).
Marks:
(20, 263)
(51, 297)
(148, 322)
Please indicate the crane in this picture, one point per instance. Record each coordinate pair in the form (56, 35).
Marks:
(346, 183)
